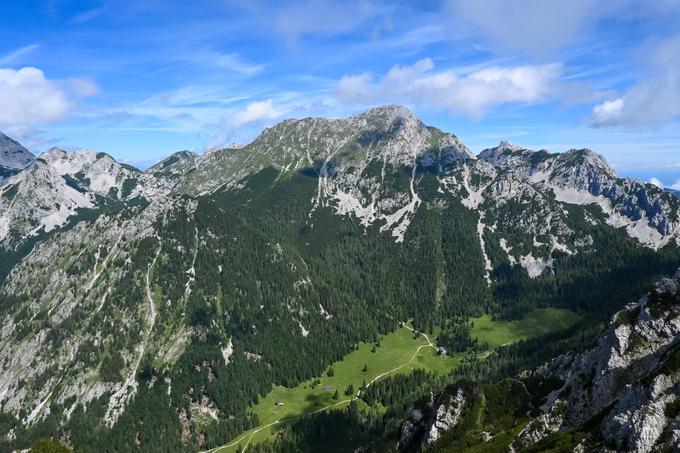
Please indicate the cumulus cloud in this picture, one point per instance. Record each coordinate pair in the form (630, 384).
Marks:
(653, 100)
(471, 94)
(30, 98)
(240, 124)
(657, 182)
(676, 185)
(255, 113)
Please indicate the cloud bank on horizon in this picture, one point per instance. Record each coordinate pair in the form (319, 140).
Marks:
(140, 80)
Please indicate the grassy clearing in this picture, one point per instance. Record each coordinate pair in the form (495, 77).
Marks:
(399, 352)
(538, 322)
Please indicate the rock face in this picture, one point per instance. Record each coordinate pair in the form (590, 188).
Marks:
(631, 378)
(446, 417)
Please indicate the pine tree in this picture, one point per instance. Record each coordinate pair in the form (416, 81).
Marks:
(335, 395)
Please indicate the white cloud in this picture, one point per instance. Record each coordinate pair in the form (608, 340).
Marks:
(657, 182)
(255, 113)
(676, 185)
(30, 98)
(241, 124)
(651, 101)
(607, 111)
(470, 94)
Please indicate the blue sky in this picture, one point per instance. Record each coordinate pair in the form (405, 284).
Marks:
(140, 80)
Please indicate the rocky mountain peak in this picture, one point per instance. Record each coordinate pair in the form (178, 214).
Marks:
(506, 145)
(586, 158)
(176, 164)
(13, 155)
(388, 113)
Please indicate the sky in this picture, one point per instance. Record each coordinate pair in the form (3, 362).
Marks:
(141, 80)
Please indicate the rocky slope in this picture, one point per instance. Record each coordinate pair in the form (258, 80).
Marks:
(584, 177)
(13, 155)
(621, 395)
(58, 185)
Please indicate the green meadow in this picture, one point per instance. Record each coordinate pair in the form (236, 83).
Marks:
(399, 352)
(537, 322)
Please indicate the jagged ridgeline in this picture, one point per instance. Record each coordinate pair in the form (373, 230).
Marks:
(149, 310)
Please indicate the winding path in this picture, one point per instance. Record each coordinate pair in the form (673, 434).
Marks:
(316, 411)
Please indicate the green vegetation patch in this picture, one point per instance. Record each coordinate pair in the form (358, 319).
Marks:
(537, 322)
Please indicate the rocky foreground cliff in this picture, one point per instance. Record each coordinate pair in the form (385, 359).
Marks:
(623, 394)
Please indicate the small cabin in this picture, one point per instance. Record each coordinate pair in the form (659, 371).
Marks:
(441, 350)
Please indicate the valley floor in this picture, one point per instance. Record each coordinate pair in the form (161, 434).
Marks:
(399, 352)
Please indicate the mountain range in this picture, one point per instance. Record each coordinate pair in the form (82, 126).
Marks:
(150, 310)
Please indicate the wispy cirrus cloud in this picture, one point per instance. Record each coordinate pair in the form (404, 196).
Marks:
(540, 27)
(297, 19)
(534, 26)
(471, 94)
(90, 14)
(17, 54)
(232, 62)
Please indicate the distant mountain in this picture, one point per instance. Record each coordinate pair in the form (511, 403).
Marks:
(13, 157)
(150, 310)
(584, 177)
(59, 185)
(176, 165)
